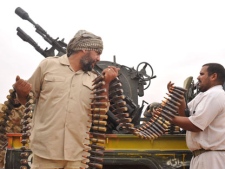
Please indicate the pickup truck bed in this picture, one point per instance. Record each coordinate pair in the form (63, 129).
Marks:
(125, 151)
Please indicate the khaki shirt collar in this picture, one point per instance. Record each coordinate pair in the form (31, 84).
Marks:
(65, 61)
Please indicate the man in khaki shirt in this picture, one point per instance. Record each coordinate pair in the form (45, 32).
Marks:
(62, 87)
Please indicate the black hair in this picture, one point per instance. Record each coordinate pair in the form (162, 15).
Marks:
(218, 69)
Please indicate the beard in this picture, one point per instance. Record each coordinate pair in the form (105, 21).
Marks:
(204, 86)
(87, 62)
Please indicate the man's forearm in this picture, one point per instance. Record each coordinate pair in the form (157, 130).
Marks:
(185, 124)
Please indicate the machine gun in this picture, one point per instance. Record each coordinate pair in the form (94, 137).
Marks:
(134, 82)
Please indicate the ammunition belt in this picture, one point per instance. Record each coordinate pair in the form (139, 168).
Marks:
(10, 110)
(98, 122)
(101, 104)
(159, 123)
(6, 112)
(118, 106)
(26, 123)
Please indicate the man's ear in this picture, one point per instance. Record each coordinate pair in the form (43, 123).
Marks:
(214, 76)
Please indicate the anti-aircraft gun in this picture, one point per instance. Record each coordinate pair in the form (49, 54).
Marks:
(56, 44)
(134, 82)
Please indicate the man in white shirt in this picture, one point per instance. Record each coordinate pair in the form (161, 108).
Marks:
(205, 126)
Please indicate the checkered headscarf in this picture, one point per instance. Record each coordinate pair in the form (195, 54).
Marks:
(84, 40)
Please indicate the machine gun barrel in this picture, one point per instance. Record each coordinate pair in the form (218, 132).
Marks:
(54, 42)
(28, 39)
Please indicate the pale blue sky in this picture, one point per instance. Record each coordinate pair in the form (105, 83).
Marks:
(175, 37)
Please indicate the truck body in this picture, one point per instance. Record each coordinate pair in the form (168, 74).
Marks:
(123, 151)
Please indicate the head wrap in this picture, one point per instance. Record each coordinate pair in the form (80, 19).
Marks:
(84, 40)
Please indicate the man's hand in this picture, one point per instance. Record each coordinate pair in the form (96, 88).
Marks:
(22, 89)
(170, 86)
(110, 73)
(182, 101)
